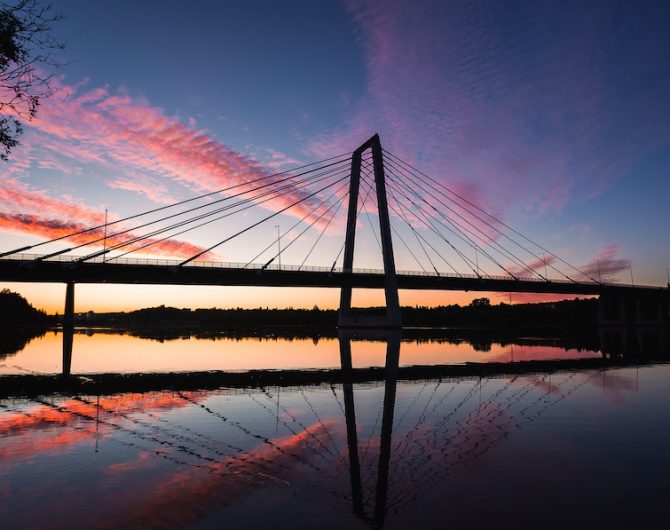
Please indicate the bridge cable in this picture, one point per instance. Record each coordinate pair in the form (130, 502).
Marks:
(358, 213)
(490, 216)
(402, 240)
(289, 186)
(416, 235)
(505, 252)
(274, 242)
(540, 259)
(333, 173)
(250, 201)
(420, 237)
(270, 196)
(275, 214)
(371, 186)
(179, 203)
(430, 226)
(464, 231)
(367, 214)
(323, 231)
(395, 231)
(180, 223)
(339, 201)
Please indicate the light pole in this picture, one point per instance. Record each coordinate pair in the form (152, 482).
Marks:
(278, 246)
(630, 266)
(600, 279)
(104, 244)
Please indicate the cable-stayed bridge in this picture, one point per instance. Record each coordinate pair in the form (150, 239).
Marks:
(444, 240)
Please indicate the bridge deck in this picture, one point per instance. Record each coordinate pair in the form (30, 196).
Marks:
(24, 268)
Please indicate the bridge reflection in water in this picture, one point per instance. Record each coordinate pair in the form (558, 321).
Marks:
(458, 420)
(614, 343)
(391, 379)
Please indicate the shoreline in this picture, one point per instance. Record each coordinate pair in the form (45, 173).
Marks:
(16, 386)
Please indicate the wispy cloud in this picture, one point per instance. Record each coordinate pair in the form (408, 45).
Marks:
(607, 264)
(150, 152)
(28, 211)
(526, 103)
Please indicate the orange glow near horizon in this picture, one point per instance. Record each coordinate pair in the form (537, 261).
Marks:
(50, 297)
(101, 352)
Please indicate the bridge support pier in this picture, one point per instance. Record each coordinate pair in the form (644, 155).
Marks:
(345, 317)
(630, 309)
(68, 328)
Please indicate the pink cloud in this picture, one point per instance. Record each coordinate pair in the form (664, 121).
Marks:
(55, 228)
(16, 196)
(145, 186)
(607, 264)
(536, 265)
(535, 298)
(151, 152)
(129, 135)
(532, 129)
(33, 212)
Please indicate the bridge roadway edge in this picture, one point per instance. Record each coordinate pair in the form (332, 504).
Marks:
(12, 270)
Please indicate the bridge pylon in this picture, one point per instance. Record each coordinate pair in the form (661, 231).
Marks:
(346, 318)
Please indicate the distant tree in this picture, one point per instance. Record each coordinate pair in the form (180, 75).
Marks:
(480, 302)
(15, 309)
(26, 48)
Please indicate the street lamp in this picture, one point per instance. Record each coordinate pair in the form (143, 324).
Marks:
(104, 243)
(278, 246)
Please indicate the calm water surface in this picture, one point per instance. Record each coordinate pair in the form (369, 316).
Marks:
(577, 449)
(97, 352)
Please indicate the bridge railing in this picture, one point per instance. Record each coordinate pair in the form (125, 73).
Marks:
(271, 267)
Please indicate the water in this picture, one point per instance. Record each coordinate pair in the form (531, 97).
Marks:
(104, 351)
(583, 448)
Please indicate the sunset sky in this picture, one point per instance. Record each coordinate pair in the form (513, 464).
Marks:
(555, 116)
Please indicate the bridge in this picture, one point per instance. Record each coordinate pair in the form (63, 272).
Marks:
(456, 244)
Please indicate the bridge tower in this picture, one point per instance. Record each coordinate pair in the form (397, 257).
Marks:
(345, 317)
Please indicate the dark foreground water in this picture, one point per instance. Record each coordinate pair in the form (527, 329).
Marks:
(568, 449)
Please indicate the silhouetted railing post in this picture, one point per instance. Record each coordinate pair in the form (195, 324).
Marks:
(68, 328)
(392, 319)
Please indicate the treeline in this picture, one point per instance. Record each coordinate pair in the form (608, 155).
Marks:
(19, 322)
(564, 315)
(480, 313)
(15, 310)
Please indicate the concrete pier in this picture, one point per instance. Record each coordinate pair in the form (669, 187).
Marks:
(68, 328)
(345, 318)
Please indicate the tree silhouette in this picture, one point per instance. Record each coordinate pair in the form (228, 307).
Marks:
(26, 49)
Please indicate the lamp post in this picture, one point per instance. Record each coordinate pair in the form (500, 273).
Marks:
(278, 246)
(104, 244)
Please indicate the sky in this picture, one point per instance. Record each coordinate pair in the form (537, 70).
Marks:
(553, 116)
